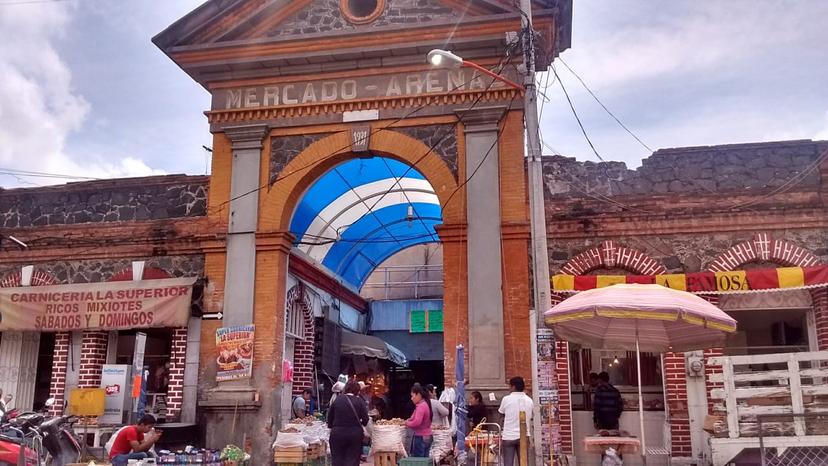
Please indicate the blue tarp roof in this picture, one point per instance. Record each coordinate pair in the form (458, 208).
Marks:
(362, 212)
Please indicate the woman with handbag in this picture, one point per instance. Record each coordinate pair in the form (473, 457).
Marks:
(347, 418)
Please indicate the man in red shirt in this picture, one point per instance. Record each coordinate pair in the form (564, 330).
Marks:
(133, 442)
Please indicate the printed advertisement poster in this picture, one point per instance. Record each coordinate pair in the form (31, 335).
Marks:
(116, 384)
(234, 346)
(548, 394)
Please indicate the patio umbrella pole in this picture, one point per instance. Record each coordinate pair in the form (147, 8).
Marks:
(640, 400)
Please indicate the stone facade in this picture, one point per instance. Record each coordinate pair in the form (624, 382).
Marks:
(105, 201)
(442, 139)
(694, 170)
(285, 148)
(325, 16)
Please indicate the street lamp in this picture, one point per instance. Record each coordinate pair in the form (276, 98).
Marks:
(446, 59)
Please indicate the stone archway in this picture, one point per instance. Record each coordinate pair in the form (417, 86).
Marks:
(278, 203)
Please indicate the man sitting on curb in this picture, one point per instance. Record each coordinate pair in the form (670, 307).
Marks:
(133, 442)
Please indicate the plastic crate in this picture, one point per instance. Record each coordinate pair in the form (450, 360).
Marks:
(416, 462)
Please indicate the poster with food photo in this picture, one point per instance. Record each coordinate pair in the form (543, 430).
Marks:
(234, 346)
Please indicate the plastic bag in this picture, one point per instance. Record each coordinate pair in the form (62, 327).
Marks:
(289, 440)
(611, 458)
(450, 396)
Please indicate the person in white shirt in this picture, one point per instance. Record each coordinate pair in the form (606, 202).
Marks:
(510, 407)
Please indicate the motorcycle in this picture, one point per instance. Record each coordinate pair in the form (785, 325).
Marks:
(43, 441)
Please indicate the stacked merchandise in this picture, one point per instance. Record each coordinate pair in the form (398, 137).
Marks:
(190, 456)
(301, 442)
(441, 446)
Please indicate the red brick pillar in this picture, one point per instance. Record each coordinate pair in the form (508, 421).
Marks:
(303, 357)
(564, 395)
(60, 359)
(675, 375)
(709, 370)
(820, 304)
(92, 358)
(178, 360)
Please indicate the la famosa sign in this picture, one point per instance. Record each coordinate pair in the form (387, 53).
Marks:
(356, 88)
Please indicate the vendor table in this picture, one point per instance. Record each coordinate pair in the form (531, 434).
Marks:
(599, 444)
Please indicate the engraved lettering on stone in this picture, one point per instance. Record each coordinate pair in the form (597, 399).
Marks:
(432, 83)
(250, 99)
(309, 95)
(271, 96)
(329, 91)
(349, 90)
(234, 98)
(413, 84)
(285, 98)
(393, 87)
(360, 138)
(456, 80)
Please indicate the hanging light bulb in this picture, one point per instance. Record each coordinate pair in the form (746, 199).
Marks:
(409, 216)
(615, 361)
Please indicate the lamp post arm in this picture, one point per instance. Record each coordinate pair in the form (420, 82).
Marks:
(494, 75)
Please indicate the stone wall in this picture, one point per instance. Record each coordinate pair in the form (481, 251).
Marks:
(692, 170)
(283, 149)
(133, 199)
(325, 16)
(442, 139)
(686, 253)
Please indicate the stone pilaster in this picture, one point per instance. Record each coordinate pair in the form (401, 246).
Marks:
(487, 367)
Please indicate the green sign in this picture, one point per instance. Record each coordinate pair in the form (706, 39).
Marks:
(435, 321)
(426, 321)
(418, 322)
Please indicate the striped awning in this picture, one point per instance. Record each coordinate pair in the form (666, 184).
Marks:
(736, 281)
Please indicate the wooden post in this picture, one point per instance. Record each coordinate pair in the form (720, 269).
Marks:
(524, 440)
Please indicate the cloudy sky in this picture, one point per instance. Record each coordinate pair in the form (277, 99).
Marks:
(83, 91)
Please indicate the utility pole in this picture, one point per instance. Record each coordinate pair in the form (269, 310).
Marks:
(540, 254)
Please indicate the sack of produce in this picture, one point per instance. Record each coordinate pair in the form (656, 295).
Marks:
(388, 436)
(441, 443)
(289, 438)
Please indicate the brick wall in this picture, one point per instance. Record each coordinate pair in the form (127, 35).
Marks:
(175, 389)
(820, 303)
(57, 389)
(92, 358)
(303, 356)
(675, 375)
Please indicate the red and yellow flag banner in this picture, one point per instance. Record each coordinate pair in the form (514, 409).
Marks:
(706, 282)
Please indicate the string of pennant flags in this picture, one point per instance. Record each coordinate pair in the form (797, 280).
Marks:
(736, 281)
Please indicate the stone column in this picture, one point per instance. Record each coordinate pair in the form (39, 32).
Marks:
(18, 366)
(241, 233)
(487, 368)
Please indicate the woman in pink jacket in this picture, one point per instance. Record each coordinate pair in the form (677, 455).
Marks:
(420, 422)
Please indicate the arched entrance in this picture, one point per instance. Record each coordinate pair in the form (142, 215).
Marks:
(301, 87)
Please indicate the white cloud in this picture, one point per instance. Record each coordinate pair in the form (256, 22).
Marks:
(39, 109)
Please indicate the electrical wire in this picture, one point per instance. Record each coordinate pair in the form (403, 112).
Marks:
(577, 118)
(628, 130)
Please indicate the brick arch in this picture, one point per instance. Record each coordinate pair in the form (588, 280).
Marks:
(303, 350)
(278, 203)
(763, 248)
(611, 255)
(39, 278)
(150, 273)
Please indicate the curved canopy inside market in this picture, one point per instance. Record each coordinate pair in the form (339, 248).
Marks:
(362, 212)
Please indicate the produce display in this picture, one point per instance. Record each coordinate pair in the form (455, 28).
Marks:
(192, 456)
(391, 422)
